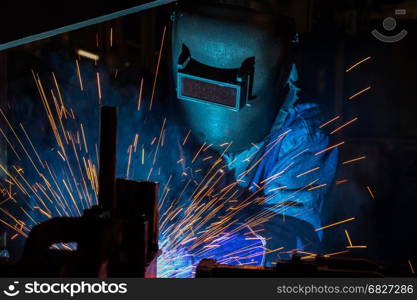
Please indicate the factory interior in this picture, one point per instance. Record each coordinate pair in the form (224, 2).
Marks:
(228, 138)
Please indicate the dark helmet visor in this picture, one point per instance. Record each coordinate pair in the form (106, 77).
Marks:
(230, 88)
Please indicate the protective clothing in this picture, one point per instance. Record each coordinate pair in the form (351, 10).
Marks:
(294, 175)
(236, 84)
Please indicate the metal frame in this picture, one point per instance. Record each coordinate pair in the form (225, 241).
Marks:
(108, 17)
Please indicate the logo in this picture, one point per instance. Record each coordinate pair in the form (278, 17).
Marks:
(11, 290)
(390, 24)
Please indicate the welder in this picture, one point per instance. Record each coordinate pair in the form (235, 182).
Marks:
(236, 83)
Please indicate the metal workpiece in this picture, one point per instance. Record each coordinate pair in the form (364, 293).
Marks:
(107, 158)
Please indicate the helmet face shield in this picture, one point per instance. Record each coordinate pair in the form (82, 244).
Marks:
(226, 67)
(228, 88)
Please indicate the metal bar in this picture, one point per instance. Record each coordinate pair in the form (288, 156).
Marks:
(140, 198)
(83, 24)
(107, 171)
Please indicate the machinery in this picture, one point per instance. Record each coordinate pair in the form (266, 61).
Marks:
(321, 266)
(119, 237)
(116, 238)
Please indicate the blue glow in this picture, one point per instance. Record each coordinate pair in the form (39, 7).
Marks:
(206, 209)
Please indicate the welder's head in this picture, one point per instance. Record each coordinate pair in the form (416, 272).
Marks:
(231, 62)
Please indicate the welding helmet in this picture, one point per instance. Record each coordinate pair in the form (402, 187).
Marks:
(231, 61)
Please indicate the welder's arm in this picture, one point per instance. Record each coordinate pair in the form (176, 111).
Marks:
(306, 177)
(296, 196)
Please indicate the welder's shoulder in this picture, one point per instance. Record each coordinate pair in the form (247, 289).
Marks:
(305, 128)
(309, 116)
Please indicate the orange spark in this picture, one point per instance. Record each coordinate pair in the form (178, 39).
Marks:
(79, 75)
(317, 187)
(129, 160)
(336, 253)
(256, 146)
(111, 36)
(302, 152)
(358, 63)
(143, 155)
(329, 122)
(140, 94)
(84, 140)
(98, 87)
(344, 125)
(341, 181)
(360, 93)
(307, 172)
(135, 142)
(186, 137)
(411, 267)
(8, 142)
(159, 140)
(329, 148)
(335, 224)
(201, 148)
(157, 68)
(278, 188)
(370, 192)
(31, 144)
(348, 237)
(353, 160)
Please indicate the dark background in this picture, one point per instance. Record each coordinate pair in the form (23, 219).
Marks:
(333, 36)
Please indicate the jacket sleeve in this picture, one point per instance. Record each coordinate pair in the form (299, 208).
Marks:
(299, 176)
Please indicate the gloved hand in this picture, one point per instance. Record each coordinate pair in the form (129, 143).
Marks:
(290, 233)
